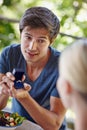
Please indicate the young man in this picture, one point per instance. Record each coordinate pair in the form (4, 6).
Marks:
(72, 82)
(39, 103)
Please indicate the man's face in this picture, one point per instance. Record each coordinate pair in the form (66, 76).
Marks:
(34, 44)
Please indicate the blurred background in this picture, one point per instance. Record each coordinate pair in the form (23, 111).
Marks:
(71, 13)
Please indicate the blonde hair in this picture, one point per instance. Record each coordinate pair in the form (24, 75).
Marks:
(73, 65)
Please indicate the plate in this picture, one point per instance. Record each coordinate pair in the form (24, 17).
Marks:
(10, 121)
(8, 127)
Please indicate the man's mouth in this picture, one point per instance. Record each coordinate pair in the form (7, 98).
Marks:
(31, 53)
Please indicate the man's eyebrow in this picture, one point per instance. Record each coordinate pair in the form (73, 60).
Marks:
(42, 37)
(28, 33)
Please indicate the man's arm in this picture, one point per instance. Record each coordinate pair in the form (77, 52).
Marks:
(48, 119)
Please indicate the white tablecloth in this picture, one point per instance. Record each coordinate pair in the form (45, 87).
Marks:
(27, 125)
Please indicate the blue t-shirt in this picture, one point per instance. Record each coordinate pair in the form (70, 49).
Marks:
(42, 88)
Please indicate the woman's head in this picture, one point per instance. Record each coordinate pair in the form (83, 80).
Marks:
(73, 65)
(73, 69)
(41, 17)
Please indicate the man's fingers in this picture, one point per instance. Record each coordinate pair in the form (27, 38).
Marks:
(10, 75)
(27, 87)
(23, 78)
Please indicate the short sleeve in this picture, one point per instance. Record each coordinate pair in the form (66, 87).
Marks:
(3, 61)
(55, 93)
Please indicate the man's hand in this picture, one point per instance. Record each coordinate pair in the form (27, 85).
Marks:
(7, 87)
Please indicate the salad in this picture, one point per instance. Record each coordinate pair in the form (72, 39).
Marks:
(10, 119)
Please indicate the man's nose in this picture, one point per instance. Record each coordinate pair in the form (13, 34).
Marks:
(32, 45)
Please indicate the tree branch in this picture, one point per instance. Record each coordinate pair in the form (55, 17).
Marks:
(63, 34)
(8, 19)
(17, 21)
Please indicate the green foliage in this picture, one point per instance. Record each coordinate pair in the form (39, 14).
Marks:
(9, 2)
(7, 34)
(72, 15)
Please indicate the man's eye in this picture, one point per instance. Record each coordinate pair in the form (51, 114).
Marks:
(41, 41)
(27, 37)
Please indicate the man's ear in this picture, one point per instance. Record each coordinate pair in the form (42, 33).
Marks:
(64, 86)
(20, 35)
(68, 87)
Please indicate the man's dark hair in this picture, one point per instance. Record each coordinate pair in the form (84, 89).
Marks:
(41, 17)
